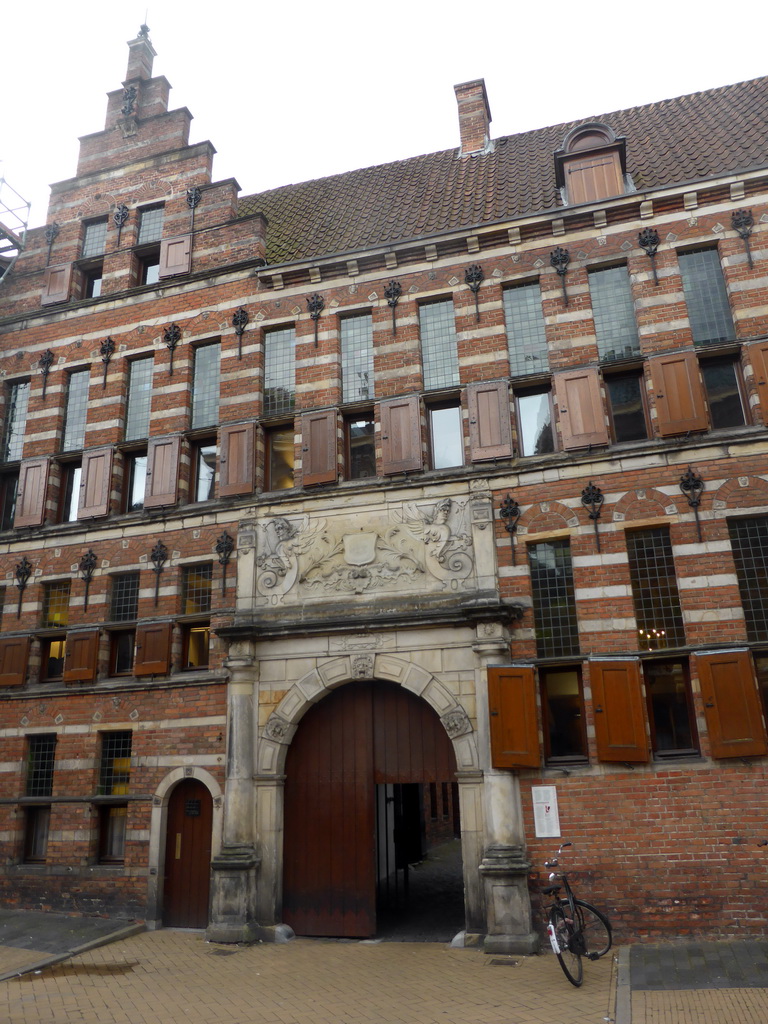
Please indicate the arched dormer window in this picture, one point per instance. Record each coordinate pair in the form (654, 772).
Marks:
(591, 164)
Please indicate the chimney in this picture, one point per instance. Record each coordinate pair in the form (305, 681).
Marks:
(474, 116)
(140, 56)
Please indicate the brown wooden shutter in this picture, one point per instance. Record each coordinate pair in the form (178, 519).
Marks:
(175, 256)
(679, 398)
(582, 417)
(617, 702)
(82, 656)
(319, 464)
(153, 648)
(490, 430)
(236, 462)
(593, 177)
(56, 284)
(514, 726)
(731, 704)
(14, 653)
(162, 472)
(758, 355)
(401, 449)
(30, 498)
(95, 483)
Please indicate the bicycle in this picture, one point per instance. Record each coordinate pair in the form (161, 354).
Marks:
(576, 929)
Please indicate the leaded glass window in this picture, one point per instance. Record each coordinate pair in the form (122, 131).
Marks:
(749, 541)
(439, 351)
(95, 238)
(205, 386)
(357, 358)
(526, 335)
(150, 224)
(139, 398)
(554, 601)
(709, 311)
(614, 313)
(15, 420)
(654, 589)
(125, 597)
(279, 371)
(77, 411)
(40, 759)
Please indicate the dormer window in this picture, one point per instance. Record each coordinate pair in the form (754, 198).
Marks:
(591, 165)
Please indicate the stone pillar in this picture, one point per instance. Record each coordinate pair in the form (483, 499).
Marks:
(233, 882)
(504, 867)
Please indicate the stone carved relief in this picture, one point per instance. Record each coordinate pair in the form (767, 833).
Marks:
(362, 666)
(361, 642)
(276, 728)
(456, 723)
(423, 545)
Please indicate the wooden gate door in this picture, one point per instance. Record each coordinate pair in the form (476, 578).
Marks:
(188, 856)
(360, 735)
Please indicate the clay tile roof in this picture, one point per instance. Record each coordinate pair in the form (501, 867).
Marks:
(706, 134)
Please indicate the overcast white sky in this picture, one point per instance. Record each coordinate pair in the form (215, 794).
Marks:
(297, 90)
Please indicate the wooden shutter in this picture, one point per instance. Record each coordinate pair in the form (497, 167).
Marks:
(758, 355)
(14, 653)
(514, 726)
(593, 177)
(56, 284)
(679, 398)
(582, 417)
(401, 449)
(319, 464)
(490, 430)
(153, 647)
(617, 702)
(162, 472)
(95, 483)
(175, 256)
(731, 704)
(30, 498)
(81, 657)
(236, 462)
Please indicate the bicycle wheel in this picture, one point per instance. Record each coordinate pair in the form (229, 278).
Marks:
(561, 935)
(596, 929)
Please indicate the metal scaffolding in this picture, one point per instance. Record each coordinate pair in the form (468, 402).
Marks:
(14, 219)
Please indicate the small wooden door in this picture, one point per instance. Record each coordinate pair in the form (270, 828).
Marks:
(188, 856)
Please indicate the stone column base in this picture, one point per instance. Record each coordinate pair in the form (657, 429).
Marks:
(504, 871)
(233, 889)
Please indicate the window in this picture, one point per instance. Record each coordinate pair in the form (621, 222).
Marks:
(749, 542)
(41, 751)
(708, 309)
(280, 459)
(526, 335)
(670, 708)
(761, 671)
(626, 402)
(135, 480)
(361, 448)
(139, 398)
(614, 314)
(565, 736)
(279, 372)
(446, 437)
(93, 277)
(721, 385)
(590, 165)
(205, 386)
(439, 353)
(554, 604)
(76, 411)
(114, 780)
(17, 399)
(149, 268)
(357, 358)
(203, 470)
(150, 224)
(94, 238)
(535, 433)
(196, 600)
(71, 475)
(124, 605)
(56, 605)
(54, 654)
(9, 486)
(654, 589)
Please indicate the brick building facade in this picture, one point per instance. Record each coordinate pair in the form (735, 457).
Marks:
(429, 494)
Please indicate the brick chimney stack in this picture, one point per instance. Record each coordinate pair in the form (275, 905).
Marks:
(474, 116)
(141, 53)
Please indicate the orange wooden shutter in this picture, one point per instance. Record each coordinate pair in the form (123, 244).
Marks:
(582, 417)
(319, 464)
(14, 652)
(153, 646)
(593, 177)
(30, 498)
(490, 430)
(175, 256)
(401, 449)
(514, 726)
(81, 657)
(236, 462)
(56, 284)
(731, 704)
(162, 472)
(758, 354)
(617, 702)
(679, 398)
(95, 483)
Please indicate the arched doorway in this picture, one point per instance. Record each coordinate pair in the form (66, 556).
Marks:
(186, 889)
(367, 766)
